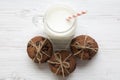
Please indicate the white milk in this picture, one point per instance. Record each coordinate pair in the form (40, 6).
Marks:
(57, 27)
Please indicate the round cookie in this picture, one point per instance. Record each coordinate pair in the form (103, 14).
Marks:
(84, 47)
(39, 49)
(62, 63)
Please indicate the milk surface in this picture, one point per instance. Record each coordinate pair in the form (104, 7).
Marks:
(56, 19)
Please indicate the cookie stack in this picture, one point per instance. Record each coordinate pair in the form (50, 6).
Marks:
(62, 62)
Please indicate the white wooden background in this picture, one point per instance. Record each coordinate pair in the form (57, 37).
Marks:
(101, 22)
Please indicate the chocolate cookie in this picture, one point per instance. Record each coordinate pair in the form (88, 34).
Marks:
(84, 47)
(39, 49)
(62, 63)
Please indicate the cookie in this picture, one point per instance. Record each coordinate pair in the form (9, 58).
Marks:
(62, 63)
(84, 47)
(39, 49)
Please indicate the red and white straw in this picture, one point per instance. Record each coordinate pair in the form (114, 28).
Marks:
(75, 15)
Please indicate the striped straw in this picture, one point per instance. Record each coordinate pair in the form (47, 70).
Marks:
(75, 15)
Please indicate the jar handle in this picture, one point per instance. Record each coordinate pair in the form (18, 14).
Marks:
(38, 21)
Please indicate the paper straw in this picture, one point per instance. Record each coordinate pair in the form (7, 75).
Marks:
(75, 15)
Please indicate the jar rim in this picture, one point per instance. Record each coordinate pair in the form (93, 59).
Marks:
(62, 6)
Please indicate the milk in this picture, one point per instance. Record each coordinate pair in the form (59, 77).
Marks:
(59, 30)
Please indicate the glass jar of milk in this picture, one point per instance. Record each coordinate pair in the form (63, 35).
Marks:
(57, 28)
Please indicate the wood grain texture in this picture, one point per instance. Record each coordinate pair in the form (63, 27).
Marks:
(102, 22)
